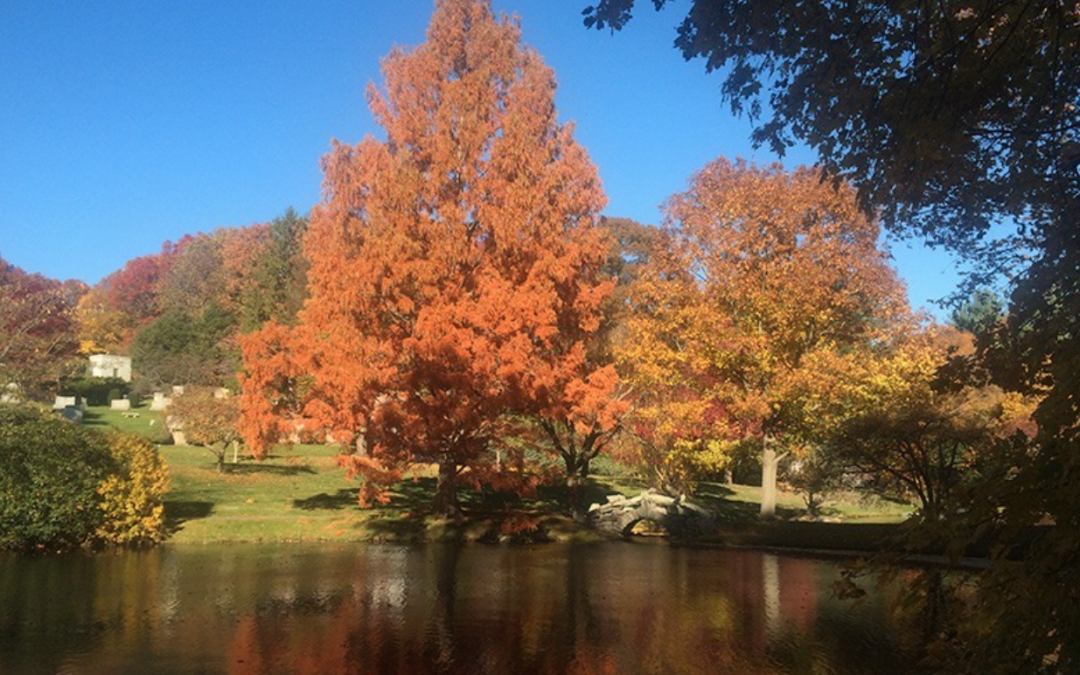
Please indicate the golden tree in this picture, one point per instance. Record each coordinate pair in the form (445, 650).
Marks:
(777, 270)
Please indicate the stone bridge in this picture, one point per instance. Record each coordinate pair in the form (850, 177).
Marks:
(680, 518)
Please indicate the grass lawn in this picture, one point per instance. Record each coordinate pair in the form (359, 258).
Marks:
(300, 494)
(141, 421)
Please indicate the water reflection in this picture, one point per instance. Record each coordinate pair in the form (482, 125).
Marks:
(436, 609)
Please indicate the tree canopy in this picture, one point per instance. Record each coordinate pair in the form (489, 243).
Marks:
(945, 115)
(454, 266)
(948, 118)
(37, 322)
(770, 273)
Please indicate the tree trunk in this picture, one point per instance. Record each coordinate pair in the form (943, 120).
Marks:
(446, 498)
(769, 462)
(575, 487)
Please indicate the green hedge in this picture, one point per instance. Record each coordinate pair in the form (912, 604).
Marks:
(95, 390)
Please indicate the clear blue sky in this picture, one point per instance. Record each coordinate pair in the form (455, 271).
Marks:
(127, 123)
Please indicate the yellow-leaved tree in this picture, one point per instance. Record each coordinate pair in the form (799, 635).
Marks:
(772, 271)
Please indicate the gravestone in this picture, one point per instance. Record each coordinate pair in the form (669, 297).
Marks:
(120, 404)
(62, 402)
(176, 428)
(160, 402)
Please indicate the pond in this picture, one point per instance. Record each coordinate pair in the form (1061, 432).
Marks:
(613, 608)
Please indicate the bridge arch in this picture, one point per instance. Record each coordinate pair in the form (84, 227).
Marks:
(619, 514)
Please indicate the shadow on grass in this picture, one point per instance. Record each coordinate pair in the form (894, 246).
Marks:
(404, 496)
(178, 513)
(718, 498)
(272, 469)
(714, 491)
(341, 499)
(92, 418)
(398, 526)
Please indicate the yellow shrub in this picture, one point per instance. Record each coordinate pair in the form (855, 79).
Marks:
(131, 498)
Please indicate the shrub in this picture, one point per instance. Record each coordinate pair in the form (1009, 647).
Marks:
(50, 471)
(63, 486)
(158, 434)
(94, 390)
(131, 495)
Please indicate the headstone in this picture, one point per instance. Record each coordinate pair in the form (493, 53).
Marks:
(178, 390)
(120, 404)
(221, 392)
(62, 402)
(72, 414)
(160, 402)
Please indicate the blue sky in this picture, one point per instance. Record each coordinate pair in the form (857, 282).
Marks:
(127, 123)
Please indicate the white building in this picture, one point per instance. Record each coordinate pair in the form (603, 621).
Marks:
(110, 365)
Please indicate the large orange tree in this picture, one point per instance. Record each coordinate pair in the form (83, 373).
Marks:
(455, 266)
(781, 273)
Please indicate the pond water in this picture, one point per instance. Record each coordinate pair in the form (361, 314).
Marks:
(588, 609)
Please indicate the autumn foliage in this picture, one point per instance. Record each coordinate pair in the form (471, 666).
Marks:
(131, 496)
(66, 485)
(769, 274)
(209, 420)
(37, 328)
(454, 266)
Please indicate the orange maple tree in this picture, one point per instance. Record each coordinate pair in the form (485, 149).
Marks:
(454, 266)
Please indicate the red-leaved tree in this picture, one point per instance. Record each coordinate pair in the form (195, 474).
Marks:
(37, 329)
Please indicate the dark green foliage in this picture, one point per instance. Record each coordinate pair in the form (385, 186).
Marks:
(980, 313)
(50, 471)
(279, 276)
(946, 115)
(95, 390)
(158, 434)
(178, 348)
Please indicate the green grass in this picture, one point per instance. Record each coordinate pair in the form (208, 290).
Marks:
(743, 502)
(301, 494)
(142, 421)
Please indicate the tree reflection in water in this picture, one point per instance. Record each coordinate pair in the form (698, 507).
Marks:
(588, 609)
